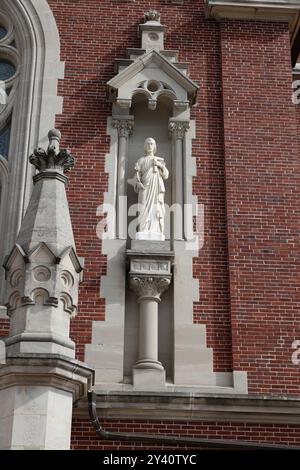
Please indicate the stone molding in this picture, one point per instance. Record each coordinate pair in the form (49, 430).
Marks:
(49, 370)
(193, 406)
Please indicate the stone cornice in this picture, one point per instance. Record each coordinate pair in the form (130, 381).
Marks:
(194, 407)
(276, 10)
(49, 370)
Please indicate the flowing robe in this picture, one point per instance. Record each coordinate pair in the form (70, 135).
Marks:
(151, 198)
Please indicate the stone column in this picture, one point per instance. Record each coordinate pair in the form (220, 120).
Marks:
(177, 130)
(40, 379)
(149, 277)
(124, 126)
(149, 291)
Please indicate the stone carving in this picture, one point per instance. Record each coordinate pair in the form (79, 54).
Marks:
(178, 128)
(16, 277)
(152, 15)
(53, 158)
(153, 89)
(150, 288)
(42, 274)
(157, 267)
(43, 264)
(124, 127)
(150, 173)
(67, 279)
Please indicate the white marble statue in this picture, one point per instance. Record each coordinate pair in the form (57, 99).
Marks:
(150, 173)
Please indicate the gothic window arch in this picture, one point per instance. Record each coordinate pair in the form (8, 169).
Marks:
(9, 76)
(30, 67)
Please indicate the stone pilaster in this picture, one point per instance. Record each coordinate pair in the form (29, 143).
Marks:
(124, 126)
(41, 378)
(177, 131)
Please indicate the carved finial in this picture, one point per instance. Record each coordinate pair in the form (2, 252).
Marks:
(54, 137)
(152, 15)
(53, 158)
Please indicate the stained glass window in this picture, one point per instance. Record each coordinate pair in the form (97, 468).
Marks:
(7, 70)
(4, 140)
(3, 32)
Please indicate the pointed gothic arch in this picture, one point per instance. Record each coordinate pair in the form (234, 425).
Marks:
(36, 104)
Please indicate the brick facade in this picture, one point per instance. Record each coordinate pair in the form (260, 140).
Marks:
(262, 199)
(247, 156)
(84, 435)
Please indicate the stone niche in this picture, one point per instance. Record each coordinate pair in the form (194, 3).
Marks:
(152, 96)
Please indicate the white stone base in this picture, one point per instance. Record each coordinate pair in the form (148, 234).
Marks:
(150, 236)
(35, 418)
(149, 379)
(37, 392)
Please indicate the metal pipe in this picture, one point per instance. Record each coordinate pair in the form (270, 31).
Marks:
(171, 440)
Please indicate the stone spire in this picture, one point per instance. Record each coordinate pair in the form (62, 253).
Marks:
(40, 377)
(47, 218)
(43, 269)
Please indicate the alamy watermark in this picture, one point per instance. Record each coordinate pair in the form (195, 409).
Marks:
(186, 223)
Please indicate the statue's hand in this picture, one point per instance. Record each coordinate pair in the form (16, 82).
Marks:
(140, 186)
(159, 164)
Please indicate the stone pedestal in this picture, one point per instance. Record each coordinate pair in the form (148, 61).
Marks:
(36, 400)
(149, 277)
(40, 379)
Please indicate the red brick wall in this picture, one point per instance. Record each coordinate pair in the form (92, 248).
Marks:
(263, 205)
(4, 327)
(84, 436)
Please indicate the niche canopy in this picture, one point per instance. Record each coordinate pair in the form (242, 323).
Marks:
(152, 72)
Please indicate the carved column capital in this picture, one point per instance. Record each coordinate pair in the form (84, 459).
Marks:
(123, 126)
(177, 129)
(149, 288)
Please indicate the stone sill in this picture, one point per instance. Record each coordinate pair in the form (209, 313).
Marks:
(193, 407)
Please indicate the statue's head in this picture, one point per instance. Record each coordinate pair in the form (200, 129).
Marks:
(150, 146)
